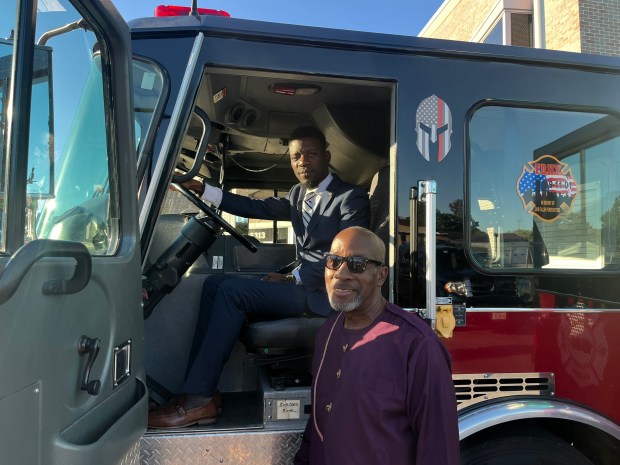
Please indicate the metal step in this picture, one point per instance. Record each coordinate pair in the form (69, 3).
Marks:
(243, 434)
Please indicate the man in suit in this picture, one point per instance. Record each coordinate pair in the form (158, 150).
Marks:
(319, 207)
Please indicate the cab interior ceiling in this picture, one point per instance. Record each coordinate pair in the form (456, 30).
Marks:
(252, 123)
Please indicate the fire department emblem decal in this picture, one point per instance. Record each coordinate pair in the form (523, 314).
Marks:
(547, 188)
(584, 349)
(433, 126)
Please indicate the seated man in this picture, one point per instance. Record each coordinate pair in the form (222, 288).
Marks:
(318, 207)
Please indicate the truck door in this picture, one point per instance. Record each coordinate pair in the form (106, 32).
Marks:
(72, 389)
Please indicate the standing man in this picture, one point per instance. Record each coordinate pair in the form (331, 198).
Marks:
(319, 207)
(382, 391)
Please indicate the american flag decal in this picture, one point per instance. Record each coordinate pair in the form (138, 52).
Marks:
(547, 188)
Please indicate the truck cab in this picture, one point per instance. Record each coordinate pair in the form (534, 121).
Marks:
(490, 172)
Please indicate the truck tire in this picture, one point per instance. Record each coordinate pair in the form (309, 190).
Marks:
(523, 450)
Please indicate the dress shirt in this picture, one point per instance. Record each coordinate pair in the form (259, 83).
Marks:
(212, 195)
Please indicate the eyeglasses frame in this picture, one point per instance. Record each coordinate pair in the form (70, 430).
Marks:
(346, 259)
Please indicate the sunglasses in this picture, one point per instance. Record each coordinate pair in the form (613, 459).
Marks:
(356, 263)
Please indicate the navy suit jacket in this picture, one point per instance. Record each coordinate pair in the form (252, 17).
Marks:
(341, 206)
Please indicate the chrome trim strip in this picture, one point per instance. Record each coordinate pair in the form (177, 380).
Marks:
(172, 128)
(392, 247)
(487, 416)
(554, 310)
(413, 243)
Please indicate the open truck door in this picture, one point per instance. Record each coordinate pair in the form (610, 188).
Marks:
(72, 389)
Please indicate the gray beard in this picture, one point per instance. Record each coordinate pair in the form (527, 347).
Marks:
(346, 306)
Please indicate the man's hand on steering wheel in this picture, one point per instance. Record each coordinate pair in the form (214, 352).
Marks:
(211, 213)
(195, 186)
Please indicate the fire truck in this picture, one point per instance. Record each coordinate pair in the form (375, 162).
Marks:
(492, 174)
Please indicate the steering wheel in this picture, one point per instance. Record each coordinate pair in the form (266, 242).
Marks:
(211, 213)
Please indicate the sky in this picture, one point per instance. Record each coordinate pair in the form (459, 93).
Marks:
(403, 17)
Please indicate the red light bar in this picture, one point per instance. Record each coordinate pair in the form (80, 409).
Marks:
(170, 10)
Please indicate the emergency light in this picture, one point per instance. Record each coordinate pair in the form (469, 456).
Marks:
(173, 10)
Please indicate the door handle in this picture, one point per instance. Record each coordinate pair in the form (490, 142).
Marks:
(90, 346)
(427, 191)
(200, 152)
(28, 254)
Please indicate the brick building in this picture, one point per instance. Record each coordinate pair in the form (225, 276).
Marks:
(586, 26)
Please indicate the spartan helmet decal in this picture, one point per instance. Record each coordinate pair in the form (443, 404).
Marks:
(433, 125)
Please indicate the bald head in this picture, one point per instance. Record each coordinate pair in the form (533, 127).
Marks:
(355, 287)
(364, 238)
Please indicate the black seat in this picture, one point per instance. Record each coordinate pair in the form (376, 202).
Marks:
(284, 346)
(281, 336)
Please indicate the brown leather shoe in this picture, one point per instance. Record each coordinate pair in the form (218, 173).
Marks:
(174, 415)
(217, 398)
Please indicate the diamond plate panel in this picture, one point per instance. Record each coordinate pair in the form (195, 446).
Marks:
(244, 448)
(133, 456)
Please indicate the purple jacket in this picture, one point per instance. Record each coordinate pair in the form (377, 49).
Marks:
(382, 394)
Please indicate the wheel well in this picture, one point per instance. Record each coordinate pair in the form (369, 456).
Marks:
(600, 447)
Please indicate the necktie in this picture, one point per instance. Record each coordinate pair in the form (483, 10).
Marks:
(308, 207)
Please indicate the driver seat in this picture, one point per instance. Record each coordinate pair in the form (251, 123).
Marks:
(281, 336)
(274, 336)
(284, 347)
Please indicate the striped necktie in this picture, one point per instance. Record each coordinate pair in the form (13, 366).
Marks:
(308, 207)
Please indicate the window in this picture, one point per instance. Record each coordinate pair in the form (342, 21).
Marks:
(67, 193)
(265, 231)
(511, 29)
(6, 57)
(8, 26)
(543, 191)
(496, 35)
(521, 33)
(148, 82)
(68, 184)
(508, 23)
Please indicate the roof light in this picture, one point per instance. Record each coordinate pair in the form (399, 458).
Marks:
(172, 10)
